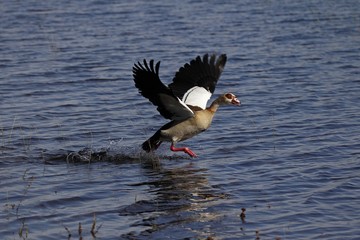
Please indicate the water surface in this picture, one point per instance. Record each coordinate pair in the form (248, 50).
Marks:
(72, 121)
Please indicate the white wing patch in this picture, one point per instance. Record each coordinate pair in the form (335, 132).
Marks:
(184, 104)
(197, 96)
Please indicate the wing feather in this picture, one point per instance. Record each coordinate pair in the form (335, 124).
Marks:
(200, 73)
(147, 80)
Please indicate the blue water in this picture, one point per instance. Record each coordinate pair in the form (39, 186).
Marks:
(71, 121)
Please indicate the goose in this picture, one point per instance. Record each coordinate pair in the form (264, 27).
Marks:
(183, 101)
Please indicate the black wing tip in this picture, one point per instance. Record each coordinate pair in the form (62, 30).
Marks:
(221, 61)
(215, 60)
(206, 55)
(145, 66)
(223, 58)
(210, 59)
(220, 57)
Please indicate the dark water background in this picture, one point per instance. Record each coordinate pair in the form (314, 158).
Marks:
(71, 121)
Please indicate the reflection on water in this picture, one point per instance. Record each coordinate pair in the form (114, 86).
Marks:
(177, 192)
(180, 195)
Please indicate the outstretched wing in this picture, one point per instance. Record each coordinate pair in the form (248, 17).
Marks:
(148, 82)
(194, 83)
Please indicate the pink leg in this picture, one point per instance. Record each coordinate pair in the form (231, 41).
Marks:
(183, 149)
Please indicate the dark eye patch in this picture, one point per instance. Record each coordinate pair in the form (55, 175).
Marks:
(229, 95)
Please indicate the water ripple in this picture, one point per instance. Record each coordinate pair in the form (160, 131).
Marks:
(283, 165)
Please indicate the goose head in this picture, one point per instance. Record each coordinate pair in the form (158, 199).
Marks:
(230, 99)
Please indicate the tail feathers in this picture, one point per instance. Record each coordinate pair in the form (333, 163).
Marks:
(152, 143)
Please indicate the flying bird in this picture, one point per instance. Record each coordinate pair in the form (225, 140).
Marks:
(184, 100)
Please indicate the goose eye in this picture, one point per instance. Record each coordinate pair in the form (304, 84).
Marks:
(229, 96)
